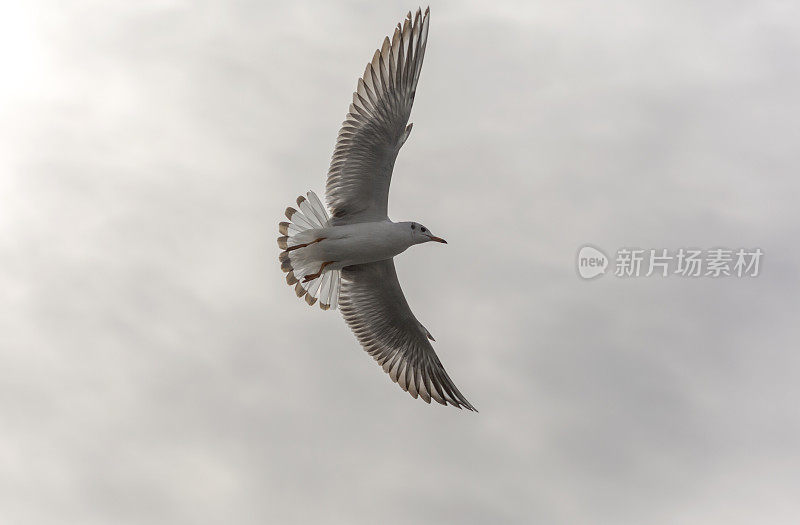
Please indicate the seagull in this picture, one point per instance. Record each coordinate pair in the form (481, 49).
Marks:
(345, 259)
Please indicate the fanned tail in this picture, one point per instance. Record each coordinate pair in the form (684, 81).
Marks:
(302, 230)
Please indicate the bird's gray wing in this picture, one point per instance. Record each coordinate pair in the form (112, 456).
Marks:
(373, 305)
(357, 189)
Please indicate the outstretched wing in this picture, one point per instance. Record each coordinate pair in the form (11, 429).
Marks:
(357, 189)
(374, 307)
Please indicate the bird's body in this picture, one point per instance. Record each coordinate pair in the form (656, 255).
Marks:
(346, 259)
(359, 243)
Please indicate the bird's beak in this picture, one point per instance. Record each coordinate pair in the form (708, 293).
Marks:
(437, 239)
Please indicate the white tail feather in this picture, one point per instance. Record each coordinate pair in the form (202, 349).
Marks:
(324, 288)
(310, 214)
(318, 207)
(301, 221)
(299, 262)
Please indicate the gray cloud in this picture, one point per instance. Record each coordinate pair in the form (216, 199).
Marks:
(156, 369)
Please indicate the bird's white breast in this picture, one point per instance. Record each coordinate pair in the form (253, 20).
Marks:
(362, 242)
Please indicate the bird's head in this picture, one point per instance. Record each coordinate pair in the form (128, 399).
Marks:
(420, 234)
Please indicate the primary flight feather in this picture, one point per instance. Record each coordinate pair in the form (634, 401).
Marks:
(346, 259)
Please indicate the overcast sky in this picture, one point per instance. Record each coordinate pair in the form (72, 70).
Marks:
(155, 368)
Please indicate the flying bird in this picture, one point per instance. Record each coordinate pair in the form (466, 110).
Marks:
(345, 259)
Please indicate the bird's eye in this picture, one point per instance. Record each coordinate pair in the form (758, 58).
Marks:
(413, 227)
(423, 229)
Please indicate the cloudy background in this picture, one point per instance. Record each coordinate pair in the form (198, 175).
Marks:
(155, 368)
